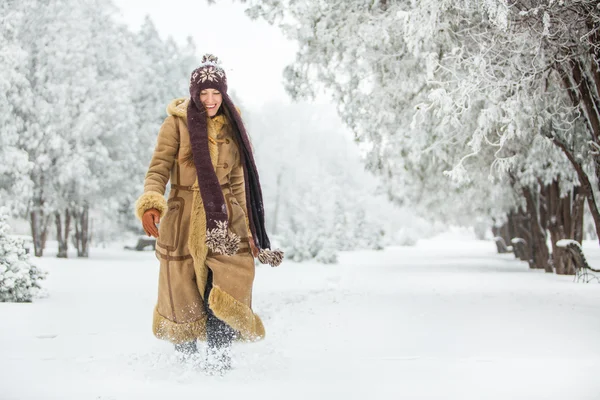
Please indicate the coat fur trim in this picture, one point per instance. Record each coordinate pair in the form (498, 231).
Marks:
(197, 240)
(166, 329)
(178, 107)
(236, 314)
(150, 200)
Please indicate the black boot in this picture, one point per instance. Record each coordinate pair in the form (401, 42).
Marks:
(219, 337)
(218, 333)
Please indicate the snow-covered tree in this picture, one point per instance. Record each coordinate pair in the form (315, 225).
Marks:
(20, 280)
(69, 113)
(15, 185)
(456, 88)
(78, 121)
(162, 74)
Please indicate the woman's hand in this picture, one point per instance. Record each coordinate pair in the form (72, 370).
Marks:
(253, 247)
(150, 218)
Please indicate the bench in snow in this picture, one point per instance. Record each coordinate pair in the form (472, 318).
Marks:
(576, 253)
(142, 243)
(520, 247)
(501, 245)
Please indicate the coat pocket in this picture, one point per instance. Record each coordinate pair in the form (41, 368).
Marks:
(237, 217)
(170, 225)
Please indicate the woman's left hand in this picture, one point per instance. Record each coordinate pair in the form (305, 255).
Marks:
(253, 248)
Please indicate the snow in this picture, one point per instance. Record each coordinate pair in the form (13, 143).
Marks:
(566, 242)
(445, 319)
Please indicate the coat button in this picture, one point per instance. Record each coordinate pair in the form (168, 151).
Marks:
(225, 165)
(226, 141)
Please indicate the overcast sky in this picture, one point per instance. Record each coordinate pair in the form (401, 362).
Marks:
(253, 53)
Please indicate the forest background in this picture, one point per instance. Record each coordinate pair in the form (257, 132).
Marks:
(464, 113)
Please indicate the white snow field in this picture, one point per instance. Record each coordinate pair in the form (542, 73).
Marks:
(446, 319)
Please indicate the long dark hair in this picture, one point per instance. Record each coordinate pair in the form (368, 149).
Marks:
(235, 132)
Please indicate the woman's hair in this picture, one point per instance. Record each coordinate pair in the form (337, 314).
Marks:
(230, 121)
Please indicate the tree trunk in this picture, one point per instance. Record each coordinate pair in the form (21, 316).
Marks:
(62, 247)
(583, 87)
(67, 227)
(77, 235)
(587, 102)
(505, 233)
(85, 233)
(539, 249)
(518, 223)
(38, 220)
(62, 237)
(511, 226)
(576, 228)
(565, 222)
(82, 236)
(35, 218)
(39, 223)
(578, 213)
(586, 185)
(554, 226)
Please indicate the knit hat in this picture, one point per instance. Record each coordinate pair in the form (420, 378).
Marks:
(219, 238)
(209, 75)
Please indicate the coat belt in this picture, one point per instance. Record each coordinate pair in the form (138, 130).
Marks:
(195, 188)
(187, 188)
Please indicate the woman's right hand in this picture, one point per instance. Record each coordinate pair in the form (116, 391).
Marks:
(150, 218)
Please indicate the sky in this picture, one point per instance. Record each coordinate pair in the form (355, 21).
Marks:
(253, 53)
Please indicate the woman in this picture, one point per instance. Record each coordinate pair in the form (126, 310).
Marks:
(212, 225)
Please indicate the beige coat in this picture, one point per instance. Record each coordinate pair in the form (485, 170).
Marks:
(180, 315)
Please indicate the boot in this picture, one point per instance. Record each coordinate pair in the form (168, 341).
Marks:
(219, 337)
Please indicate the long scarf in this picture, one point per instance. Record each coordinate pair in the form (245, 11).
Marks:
(218, 237)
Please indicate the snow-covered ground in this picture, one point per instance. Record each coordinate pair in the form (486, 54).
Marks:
(446, 319)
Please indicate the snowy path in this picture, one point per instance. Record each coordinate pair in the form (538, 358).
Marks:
(429, 322)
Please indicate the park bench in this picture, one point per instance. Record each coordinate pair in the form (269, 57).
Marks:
(501, 245)
(142, 243)
(520, 248)
(582, 267)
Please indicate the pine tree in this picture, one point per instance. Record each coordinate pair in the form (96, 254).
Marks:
(20, 280)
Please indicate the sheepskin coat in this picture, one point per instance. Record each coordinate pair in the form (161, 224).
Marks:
(180, 313)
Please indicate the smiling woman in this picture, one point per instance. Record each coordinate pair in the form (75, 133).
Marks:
(212, 226)
(211, 99)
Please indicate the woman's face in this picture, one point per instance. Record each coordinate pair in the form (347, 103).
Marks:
(212, 99)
